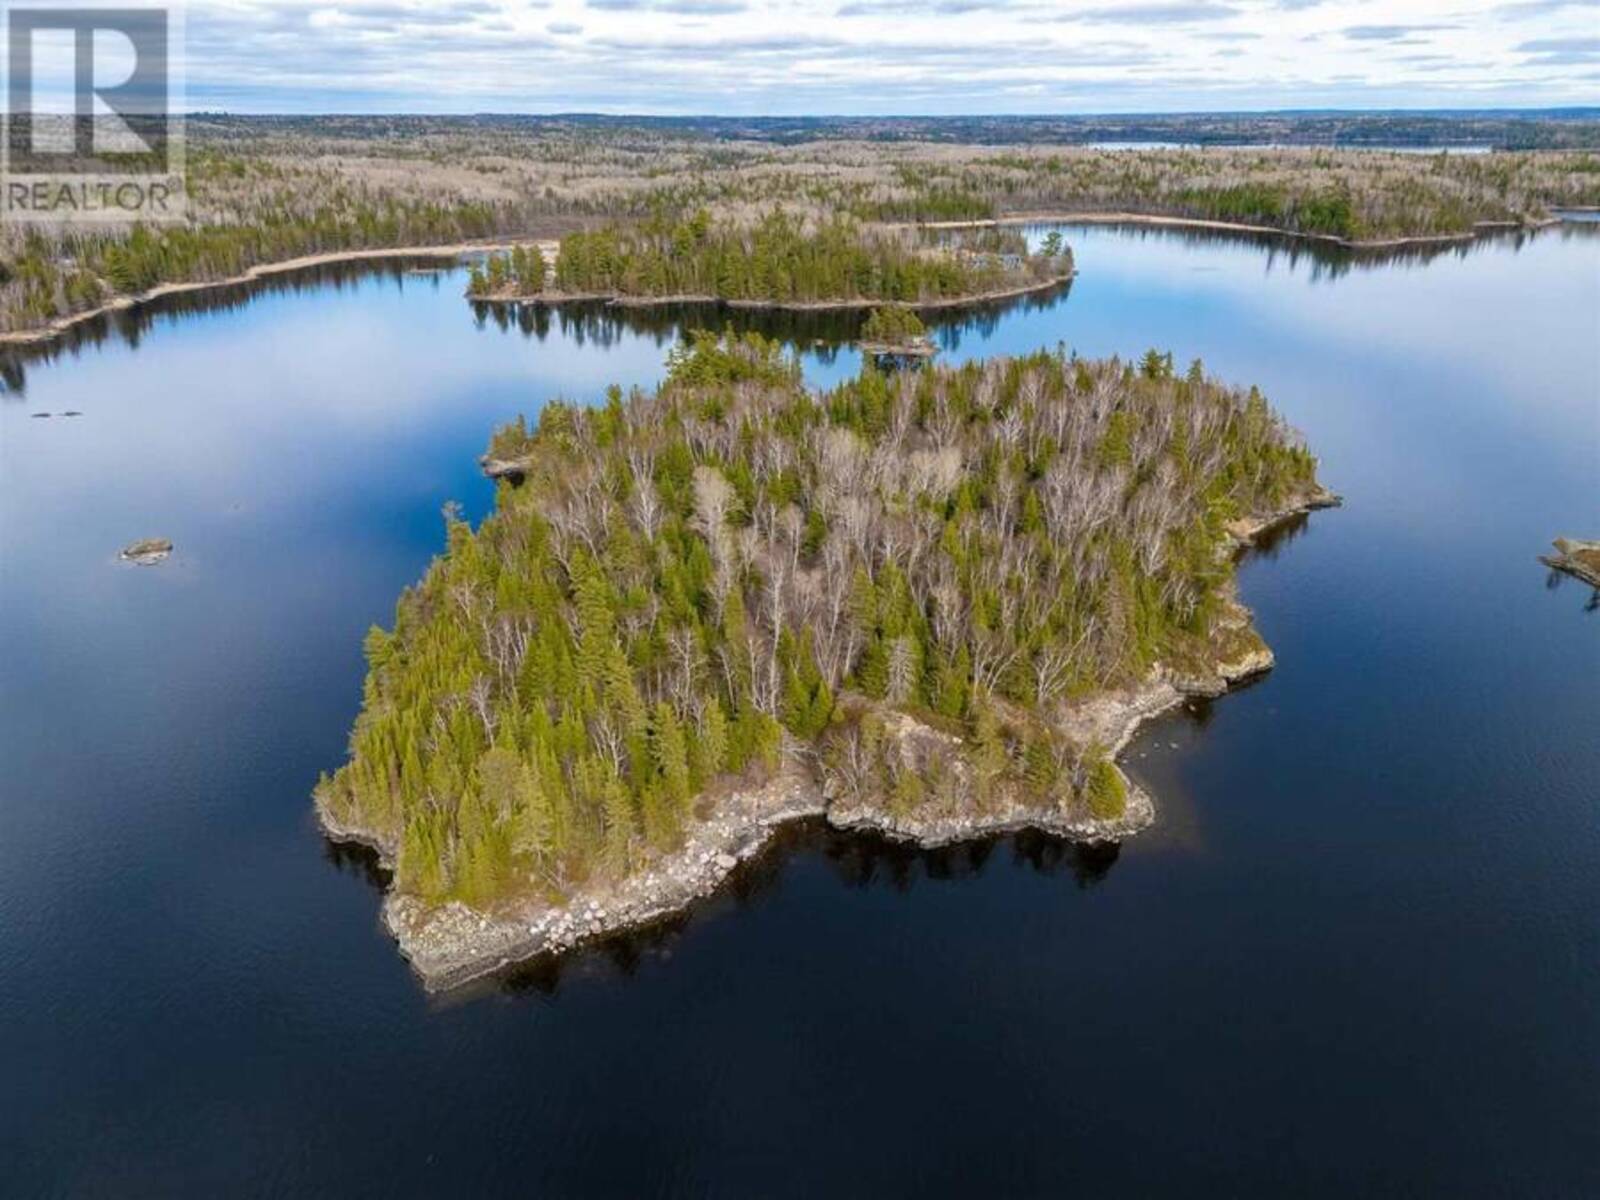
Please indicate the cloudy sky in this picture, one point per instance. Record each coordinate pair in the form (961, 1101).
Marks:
(886, 56)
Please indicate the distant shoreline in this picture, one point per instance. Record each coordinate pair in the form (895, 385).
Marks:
(1095, 217)
(61, 325)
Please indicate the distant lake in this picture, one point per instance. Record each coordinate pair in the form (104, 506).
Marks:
(1357, 955)
(1468, 148)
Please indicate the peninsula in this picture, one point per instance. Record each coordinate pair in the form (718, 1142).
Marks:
(933, 604)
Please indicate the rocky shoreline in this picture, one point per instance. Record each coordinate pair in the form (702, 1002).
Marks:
(919, 347)
(147, 552)
(1576, 557)
(451, 945)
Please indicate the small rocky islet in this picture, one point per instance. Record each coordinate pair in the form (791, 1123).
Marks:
(1577, 557)
(147, 552)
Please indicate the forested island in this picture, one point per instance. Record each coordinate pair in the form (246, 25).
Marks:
(933, 604)
(895, 333)
(263, 191)
(776, 260)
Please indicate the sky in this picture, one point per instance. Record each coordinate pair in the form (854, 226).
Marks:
(824, 57)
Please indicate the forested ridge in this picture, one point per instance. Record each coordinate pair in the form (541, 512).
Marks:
(690, 585)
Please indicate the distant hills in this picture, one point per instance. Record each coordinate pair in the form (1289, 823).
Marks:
(1508, 129)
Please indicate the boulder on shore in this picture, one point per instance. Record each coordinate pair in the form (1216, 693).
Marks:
(512, 469)
(1577, 557)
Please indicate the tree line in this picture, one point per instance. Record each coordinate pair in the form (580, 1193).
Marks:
(49, 276)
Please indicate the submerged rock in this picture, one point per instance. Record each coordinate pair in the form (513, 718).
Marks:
(147, 551)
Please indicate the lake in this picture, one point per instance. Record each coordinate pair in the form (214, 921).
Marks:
(1358, 954)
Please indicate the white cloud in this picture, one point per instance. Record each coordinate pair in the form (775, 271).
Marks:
(879, 56)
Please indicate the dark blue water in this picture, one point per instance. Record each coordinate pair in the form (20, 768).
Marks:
(1358, 954)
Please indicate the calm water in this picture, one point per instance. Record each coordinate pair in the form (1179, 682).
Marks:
(1358, 955)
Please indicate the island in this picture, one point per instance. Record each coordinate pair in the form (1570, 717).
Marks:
(779, 260)
(932, 604)
(895, 334)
